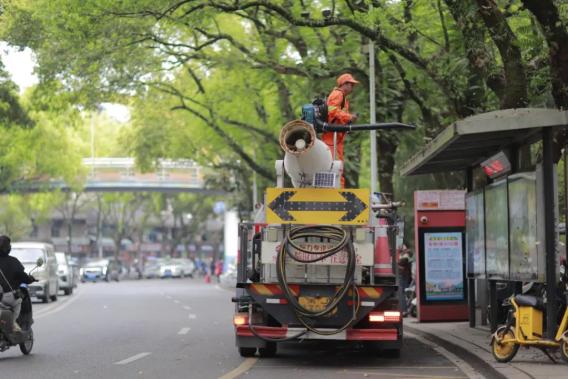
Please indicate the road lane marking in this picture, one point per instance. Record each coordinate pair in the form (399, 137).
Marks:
(244, 367)
(168, 297)
(176, 301)
(57, 309)
(132, 359)
(467, 369)
(184, 331)
(49, 307)
(187, 307)
(192, 316)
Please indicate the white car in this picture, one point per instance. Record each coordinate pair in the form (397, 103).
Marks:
(47, 286)
(65, 273)
(187, 266)
(176, 268)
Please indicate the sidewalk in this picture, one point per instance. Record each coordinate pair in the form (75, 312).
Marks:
(528, 363)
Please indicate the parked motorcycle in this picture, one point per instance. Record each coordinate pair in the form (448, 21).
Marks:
(24, 338)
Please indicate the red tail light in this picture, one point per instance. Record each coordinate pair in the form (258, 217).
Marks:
(240, 319)
(384, 316)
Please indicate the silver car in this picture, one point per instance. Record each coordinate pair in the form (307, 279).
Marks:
(65, 273)
(47, 286)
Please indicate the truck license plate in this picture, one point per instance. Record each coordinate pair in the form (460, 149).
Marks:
(315, 304)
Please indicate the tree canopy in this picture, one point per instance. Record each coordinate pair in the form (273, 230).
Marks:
(214, 80)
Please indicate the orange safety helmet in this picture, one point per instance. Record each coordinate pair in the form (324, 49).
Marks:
(346, 78)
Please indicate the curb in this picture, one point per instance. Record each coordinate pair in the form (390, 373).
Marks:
(487, 369)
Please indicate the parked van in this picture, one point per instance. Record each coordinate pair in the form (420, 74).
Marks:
(47, 286)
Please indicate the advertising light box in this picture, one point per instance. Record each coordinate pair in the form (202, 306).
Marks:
(443, 266)
(523, 227)
(497, 231)
(475, 235)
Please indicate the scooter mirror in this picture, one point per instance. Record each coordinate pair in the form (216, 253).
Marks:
(39, 262)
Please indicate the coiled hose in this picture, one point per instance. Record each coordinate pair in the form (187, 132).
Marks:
(333, 233)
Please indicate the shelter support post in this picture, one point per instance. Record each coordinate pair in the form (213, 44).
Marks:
(549, 231)
(494, 305)
(470, 281)
(471, 302)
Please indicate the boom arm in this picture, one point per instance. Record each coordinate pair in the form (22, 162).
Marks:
(325, 127)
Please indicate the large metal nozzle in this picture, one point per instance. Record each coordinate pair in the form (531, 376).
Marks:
(305, 154)
(297, 137)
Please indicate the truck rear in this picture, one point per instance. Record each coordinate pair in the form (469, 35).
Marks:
(319, 261)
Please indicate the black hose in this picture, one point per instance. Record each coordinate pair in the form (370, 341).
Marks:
(304, 315)
(330, 232)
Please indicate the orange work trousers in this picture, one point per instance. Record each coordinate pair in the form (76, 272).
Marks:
(327, 138)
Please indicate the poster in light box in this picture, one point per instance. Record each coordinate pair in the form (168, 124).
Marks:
(497, 231)
(475, 237)
(443, 266)
(523, 226)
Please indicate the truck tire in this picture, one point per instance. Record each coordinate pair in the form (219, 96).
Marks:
(68, 291)
(269, 351)
(247, 351)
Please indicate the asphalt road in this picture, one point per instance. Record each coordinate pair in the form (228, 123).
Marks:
(182, 329)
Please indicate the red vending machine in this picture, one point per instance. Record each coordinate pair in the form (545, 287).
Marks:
(440, 255)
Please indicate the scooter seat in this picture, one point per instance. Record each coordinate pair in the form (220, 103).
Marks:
(529, 301)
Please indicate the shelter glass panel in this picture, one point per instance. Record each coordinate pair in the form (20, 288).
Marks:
(497, 230)
(475, 234)
(523, 226)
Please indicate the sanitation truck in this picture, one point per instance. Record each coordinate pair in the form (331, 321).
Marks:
(318, 261)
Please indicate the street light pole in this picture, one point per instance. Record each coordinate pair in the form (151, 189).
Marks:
(373, 116)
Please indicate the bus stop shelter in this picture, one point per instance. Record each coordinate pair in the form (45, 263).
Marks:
(511, 201)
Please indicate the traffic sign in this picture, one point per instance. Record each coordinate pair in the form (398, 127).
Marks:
(317, 206)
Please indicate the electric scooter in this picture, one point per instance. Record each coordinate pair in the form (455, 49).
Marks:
(410, 293)
(24, 338)
(524, 326)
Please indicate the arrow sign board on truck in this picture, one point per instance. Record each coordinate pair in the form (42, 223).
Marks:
(317, 206)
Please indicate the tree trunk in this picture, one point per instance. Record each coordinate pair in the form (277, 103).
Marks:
(386, 152)
(556, 36)
(480, 60)
(515, 93)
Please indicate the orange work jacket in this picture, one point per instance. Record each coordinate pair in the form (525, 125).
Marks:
(337, 113)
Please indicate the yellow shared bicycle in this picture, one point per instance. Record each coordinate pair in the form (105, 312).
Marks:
(524, 327)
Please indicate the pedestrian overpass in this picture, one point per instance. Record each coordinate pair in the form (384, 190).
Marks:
(122, 175)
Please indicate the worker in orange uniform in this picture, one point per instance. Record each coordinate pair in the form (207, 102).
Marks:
(338, 113)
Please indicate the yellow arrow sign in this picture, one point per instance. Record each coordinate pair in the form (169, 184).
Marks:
(320, 206)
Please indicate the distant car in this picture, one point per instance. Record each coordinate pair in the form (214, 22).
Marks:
(187, 266)
(171, 268)
(47, 286)
(151, 270)
(65, 273)
(228, 279)
(94, 271)
(75, 267)
(114, 270)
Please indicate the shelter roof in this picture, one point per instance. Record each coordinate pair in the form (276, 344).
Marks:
(470, 141)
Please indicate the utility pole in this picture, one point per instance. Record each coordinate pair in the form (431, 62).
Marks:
(373, 116)
(254, 187)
